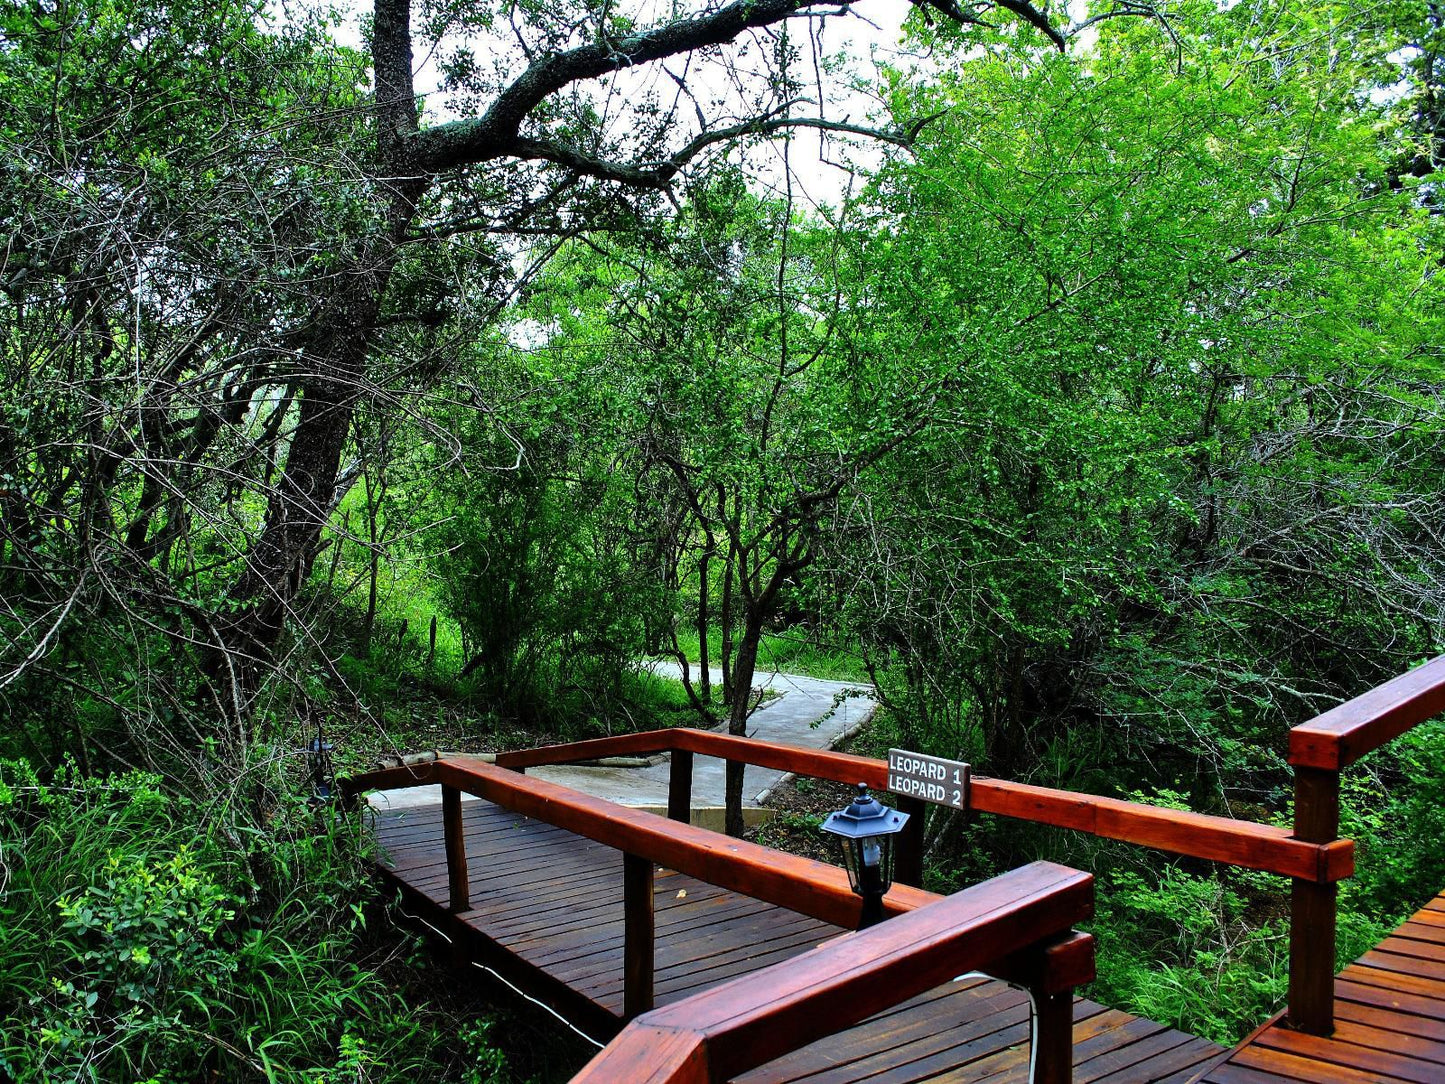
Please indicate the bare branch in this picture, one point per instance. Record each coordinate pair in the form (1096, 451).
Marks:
(660, 174)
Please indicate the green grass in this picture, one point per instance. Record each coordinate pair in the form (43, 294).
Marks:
(660, 694)
(789, 653)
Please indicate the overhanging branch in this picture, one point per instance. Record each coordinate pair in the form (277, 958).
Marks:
(658, 174)
(497, 132)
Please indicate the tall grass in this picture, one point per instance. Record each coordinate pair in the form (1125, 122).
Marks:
(144, 938)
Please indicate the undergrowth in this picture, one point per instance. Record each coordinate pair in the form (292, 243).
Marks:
(145, 938)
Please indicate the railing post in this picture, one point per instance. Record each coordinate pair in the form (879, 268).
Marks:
(456, 847)
(679, 786)
(1053, 1037)
(1051, 973)
(908, 851)
(1312, 907)
(637, 938)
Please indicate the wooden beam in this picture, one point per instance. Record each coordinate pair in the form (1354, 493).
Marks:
(649, 1055)
(1313, 908)
(1219, 839)
(752, 1020)
(638, 936)
(620, 745)
(458, 883)
(410, 775)
(799, 884)
(1052, 968)
(1345, 733)
(739, 1025)
(1053, 1037)
(908, 855)
(679, 787)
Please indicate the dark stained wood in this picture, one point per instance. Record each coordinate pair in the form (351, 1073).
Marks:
(637, 942)
(1294, 1067)
(1052, 968)
(1220, 839)
(845, 981)
(800, 884)
(908, 850)
(456, 848)
(1313, 907)
(1054, 1035)
(656, 1056)
(1345, 733)
(679, 787)
(1389, 1021)
(555, 926)
(414, 775)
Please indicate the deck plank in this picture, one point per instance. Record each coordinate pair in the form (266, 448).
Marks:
(547, 908)
(1389, 1012)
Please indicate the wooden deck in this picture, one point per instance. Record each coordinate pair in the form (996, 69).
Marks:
(547, 913)
(1389, 1020)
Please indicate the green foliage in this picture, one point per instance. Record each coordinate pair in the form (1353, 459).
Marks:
(145, 940)
(538, 568)
(1208, 952)
(1390, 806)
(1178, 328)
(1184, 948)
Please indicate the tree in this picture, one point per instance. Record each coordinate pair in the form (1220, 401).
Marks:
(253, 270)
(1179, 492)
(732, 398)
(154, 248)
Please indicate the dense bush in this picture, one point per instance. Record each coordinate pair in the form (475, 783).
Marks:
(148, 939)
(1208, 950)
(539, 564)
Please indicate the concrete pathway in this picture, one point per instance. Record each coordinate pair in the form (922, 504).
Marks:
(809, 712)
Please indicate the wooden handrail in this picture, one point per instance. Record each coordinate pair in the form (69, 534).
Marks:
(1312, 855)
(799, 884)
(803, 885)
(1197, 835)
(1342, 735)
(736, 1026)
(1319, 750)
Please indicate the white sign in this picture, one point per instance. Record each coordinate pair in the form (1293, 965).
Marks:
(933, 779)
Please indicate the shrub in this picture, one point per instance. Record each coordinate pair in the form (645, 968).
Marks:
(143, 938)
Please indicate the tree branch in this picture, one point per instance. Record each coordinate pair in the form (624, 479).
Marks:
(658, 174)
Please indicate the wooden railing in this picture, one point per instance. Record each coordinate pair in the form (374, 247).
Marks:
(1319, 750)
(1018, 927)
(728, 1029)
(1197, 835)
(1312, 855)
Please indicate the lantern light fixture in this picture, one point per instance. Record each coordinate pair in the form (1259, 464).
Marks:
(865, 832)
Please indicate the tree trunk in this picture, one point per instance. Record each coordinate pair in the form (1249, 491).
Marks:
(725, 621)
(301, 503)
(743, 669)
(704, 679)
(336, 348)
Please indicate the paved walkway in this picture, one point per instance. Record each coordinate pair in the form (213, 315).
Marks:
(809, 712)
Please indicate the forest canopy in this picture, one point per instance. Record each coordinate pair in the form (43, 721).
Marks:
(1095, 421)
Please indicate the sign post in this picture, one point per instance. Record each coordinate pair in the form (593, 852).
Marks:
(932, 779)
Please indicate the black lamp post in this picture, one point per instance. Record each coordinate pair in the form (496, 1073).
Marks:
(866, 830)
